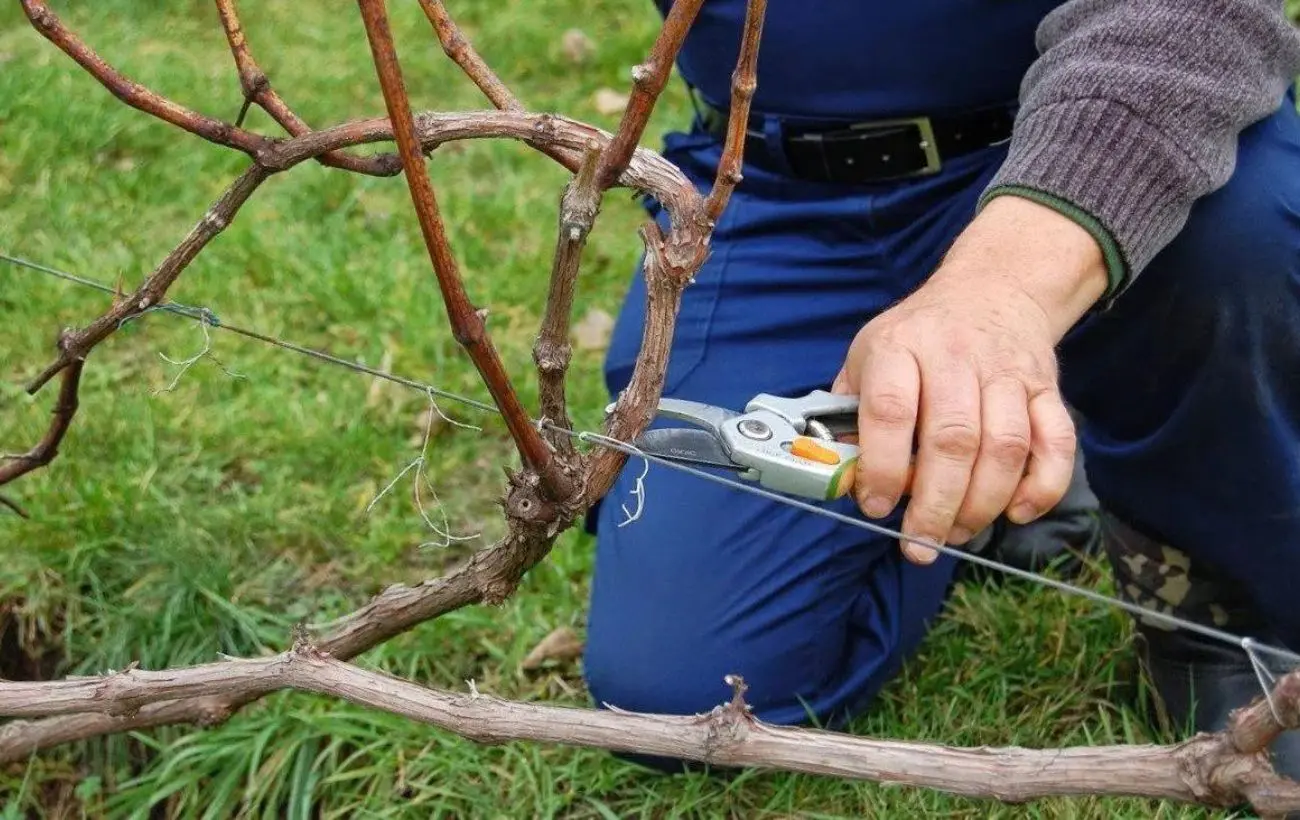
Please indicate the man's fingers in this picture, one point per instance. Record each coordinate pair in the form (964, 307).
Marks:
(1004, 448)
(889, 389)
(1051, 459)
(841, 385)
(948, 444)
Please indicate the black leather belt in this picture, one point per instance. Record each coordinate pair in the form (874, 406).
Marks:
(872, 151)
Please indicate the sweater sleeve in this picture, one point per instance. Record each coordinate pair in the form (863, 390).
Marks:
(1133, 109)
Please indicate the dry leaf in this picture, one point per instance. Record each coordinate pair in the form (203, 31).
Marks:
(593, 332)
(577, 45)
(563, 644)
(609, 102)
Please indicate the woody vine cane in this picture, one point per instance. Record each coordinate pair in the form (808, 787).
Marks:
(555, 483)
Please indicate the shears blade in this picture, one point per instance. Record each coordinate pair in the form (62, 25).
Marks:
(684, 444)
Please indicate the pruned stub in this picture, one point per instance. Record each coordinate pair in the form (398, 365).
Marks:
(525, 501)
(534, 520)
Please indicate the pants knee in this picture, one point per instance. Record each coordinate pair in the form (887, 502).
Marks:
(616, 676)
(810, 613)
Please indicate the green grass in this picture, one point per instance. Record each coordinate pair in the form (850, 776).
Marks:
(212, 518)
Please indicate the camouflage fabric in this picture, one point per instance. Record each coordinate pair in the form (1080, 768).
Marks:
(1162, 578)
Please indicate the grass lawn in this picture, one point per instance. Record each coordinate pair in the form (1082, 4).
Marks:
(213, 517)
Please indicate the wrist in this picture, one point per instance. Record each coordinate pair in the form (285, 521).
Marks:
(1037, 251)
(1117, 267)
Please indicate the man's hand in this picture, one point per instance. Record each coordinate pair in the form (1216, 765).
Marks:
(965, 370)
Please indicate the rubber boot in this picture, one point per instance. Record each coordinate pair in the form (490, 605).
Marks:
(1196, 681)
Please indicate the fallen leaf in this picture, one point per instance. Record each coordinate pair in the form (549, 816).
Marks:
(609, 102)
(563, 644)
(577, 45)
(593, 332)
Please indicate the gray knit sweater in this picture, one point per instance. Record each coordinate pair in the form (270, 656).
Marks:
(1133, 109)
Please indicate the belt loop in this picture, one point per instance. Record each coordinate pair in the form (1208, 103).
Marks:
(774, 140)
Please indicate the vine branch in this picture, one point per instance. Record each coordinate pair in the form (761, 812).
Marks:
(579, 206)
(257, 89)
(493, 573)
(76, 346)
(648, 81)
(135, 95)
(466, 322)
(456, 47)
(743, 85)
(1208, 769)
(648, 173)
(45, 450)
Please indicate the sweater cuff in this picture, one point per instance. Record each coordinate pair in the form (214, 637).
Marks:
(1100, 164)
(1112, 255)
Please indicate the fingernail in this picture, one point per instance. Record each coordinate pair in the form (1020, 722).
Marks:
(959, 535)
(1022, 513)
(918, 554)
(877, 506)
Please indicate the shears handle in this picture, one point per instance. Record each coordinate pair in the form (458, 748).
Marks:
(843, 458)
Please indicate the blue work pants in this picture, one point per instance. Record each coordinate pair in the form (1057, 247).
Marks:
(1189, 388)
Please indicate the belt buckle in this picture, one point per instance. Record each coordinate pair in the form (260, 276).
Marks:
(925, 132)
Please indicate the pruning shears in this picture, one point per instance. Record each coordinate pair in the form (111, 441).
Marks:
(787, 444)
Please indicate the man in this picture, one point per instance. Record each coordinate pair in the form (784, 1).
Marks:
(1114, 186)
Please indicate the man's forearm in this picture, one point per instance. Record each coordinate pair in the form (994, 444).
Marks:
(1133, 110)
